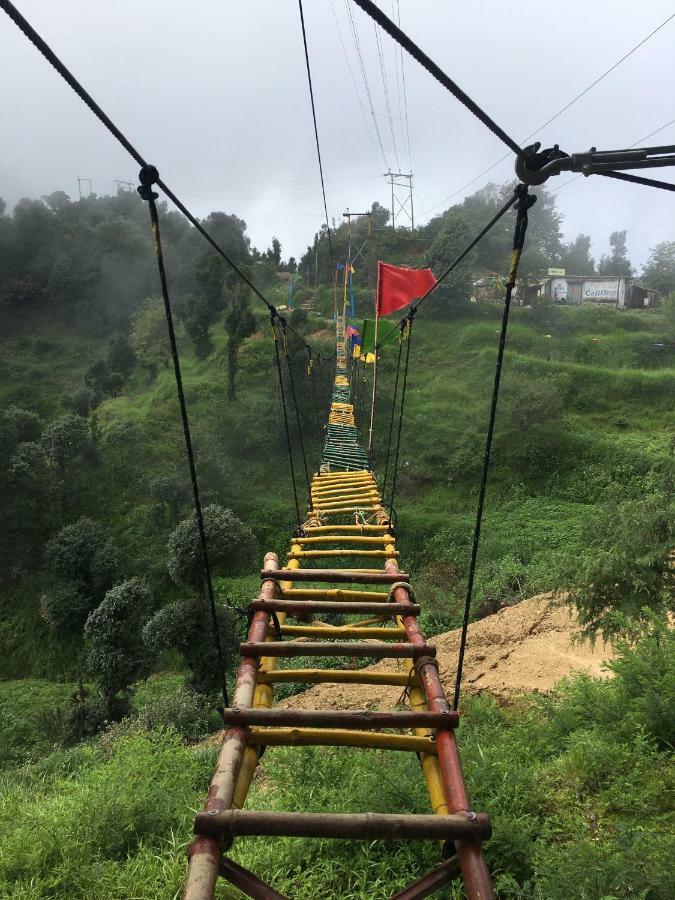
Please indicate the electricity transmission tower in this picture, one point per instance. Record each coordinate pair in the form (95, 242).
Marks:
(401, 197)
(80, 182)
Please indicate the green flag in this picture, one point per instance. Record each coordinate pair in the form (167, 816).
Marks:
(368, 335)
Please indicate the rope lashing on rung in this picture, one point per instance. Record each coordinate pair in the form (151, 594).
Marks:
(401, 584)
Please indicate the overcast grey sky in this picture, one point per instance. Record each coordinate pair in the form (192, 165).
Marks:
(215, 94)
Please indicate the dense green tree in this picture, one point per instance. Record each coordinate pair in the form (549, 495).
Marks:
(456, 288)
(65, 440)
(66, 610)
(57, 200)
(26, 424)
(239, 324)
(200, 311)
(625, 575)
(659, 270)
(617, 262)
(84, 555)
(576, 256)
(121, 356)
(169, 492)
(230, 544)
(149, 337)
(116, 654)
(186, 626)
(529, 424)
(274, 253)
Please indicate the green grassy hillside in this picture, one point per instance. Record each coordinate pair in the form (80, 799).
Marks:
(586, 419)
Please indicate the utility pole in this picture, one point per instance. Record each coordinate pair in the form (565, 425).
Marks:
(127, 185)
(401, 199)
(360, 252)
(80, 182)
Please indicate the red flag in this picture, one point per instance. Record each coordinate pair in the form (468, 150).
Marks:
(398, 286)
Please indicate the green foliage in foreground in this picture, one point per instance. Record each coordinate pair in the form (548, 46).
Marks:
(579, 787)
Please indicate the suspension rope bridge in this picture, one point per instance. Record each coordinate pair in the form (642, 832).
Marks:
(347, 523)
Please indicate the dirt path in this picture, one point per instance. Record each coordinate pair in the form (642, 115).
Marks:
(522, 648)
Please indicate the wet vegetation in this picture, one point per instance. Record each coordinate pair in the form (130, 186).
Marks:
(109, 679)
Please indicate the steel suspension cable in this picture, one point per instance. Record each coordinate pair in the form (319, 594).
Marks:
(409, 320)
(316, 131)
(639, 179)
(524, 202)
(148, 177)
(310, 372)
(372, 10)
(295, 404)
(393, 413)
(282, 393)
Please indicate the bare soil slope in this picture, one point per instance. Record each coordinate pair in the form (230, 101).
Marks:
(520, 649)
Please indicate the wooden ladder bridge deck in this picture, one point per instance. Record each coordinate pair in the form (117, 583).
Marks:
(347, 528)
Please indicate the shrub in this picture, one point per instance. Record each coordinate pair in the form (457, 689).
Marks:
(116, 655)
(230, 544)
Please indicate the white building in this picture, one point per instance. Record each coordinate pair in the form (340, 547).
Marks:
(620, 291)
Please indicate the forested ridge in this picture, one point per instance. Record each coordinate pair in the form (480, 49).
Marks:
(105, 649)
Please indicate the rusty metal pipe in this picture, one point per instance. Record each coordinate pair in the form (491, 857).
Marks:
(247, 882)
(428, 884)
(338, 718)
(341, 607)
(337, 648)
(475, 872)
(233, 823)
(336, 575)
(205, 852)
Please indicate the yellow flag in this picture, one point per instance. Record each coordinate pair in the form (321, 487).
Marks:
(356, 352)
(370, 358)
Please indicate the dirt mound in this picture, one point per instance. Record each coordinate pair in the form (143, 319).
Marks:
(520, 649)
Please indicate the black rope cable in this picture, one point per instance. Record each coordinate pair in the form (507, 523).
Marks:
(282, 393)
(372, 10)
(295, 404)
(639, 179)
(393, 413)
(316, 131)
(453, 265)
(149, 176)
(41, 45)
(310, 372)
(410, 319)
(525, 201)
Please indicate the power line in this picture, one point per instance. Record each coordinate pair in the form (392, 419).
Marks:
(372, 10)
(556, 115)
(316, 132)
(351, 73)
(405, 93)
(386, 93)
(359, 55)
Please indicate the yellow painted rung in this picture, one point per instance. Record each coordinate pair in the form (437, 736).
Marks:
(336, 594)
(319, 554)
(316, 510)
(346, 529)
(340, 737)
(345, 497)
(343, 539)
(344, 631)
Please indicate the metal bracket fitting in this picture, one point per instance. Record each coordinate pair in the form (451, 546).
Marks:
(539, 165)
